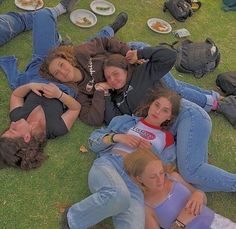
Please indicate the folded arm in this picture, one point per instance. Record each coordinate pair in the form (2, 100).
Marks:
(195, 203)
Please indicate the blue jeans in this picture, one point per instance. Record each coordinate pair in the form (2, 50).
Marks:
(113, 194)
(203, 98)
(192, 129)
(44, 38)
(12, 24)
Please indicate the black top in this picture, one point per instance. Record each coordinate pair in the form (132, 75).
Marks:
(144, 77)
(53, 109)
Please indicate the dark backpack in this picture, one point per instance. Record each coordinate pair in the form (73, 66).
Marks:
(197, 58)
(227, 82)
(179, 9)
(229, 5)
(227, 107)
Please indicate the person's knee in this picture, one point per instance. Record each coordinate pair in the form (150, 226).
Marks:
(188, 174)
(194, 113)
(117, 198)
(42, 14)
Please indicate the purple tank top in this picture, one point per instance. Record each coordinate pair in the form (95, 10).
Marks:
(178, 197)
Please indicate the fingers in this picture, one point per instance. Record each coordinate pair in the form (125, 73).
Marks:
(131, 56)
(51, 91)
(145, 144)
(132, 141)
(37, 92)
(99, 87)
(193, 207)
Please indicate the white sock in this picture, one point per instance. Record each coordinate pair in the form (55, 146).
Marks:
(58, 10)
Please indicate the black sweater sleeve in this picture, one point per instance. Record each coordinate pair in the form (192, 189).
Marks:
(161, 60)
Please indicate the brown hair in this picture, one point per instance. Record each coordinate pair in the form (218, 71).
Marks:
(66, 52)
(16, 153)
(116, 60)
(136, 162)
(119, 61)
(155, 94)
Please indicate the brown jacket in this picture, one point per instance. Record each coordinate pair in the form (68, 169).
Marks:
(90, 57)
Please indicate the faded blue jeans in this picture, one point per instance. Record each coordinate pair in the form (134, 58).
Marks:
(192, 130)
(203, 98)
(114, 194)
(44, 38)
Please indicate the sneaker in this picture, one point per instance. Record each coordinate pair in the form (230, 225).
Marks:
(120, 21)
(68, 4)
(64, 221)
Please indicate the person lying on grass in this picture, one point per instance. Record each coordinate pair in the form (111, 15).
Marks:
(170, 202)
(38, 110)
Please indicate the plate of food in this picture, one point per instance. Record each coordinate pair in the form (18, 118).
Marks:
(102, 7)
(159, 25)
(29, 4)
(83, 18)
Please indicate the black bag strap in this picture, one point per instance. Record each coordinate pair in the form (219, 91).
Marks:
(172, 45)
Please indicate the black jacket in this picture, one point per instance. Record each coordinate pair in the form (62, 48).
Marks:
(145, 76)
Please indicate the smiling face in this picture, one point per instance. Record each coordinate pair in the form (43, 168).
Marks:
(159, 112)
(20, 128)
(115, 77)
(153, 176)
(62, 70)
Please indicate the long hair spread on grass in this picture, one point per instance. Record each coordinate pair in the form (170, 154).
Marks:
(18, 154)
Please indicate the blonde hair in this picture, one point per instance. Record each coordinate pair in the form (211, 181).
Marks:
(136, 162)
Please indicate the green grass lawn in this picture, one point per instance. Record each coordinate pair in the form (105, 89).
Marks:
(35, 199)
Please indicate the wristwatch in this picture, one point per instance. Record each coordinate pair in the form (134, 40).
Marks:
(177, 224)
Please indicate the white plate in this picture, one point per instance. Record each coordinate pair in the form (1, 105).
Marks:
(28, 6)
(159, 25)
(83, 18)
(102, 7)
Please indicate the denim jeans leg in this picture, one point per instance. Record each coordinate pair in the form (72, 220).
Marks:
(192, 129)
(11, 24)
(45, 35)
(128, 218)
(136, 45)
(9, 66)
(203, 98)
(110, 197)
(106, 31)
